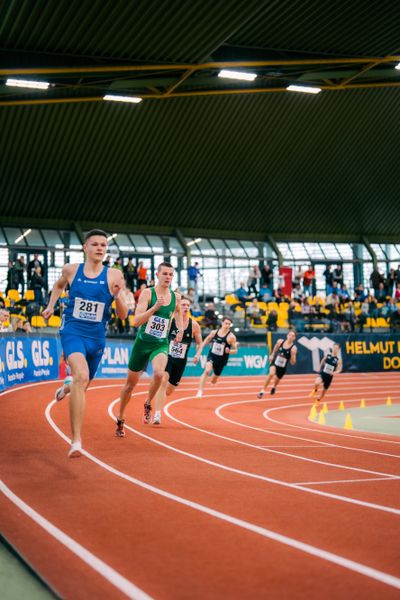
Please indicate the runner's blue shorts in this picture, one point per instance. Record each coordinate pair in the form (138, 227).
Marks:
(92, 349)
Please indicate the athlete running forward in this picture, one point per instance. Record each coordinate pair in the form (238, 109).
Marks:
(153, 315)
(93, 287)
(330, 365)
(223, 344)
(177, 356)
(284, 352)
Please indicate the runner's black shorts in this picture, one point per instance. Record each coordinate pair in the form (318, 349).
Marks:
(217, 363)
(175, 368)
(326, 379)
(280, 371)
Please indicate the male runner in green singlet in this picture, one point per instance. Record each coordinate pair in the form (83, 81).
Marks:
(153, 316)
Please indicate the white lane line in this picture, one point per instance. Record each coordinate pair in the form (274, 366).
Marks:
(348, 480)
(287, 435)
(288, 454)
(247, 473)
(336, 559)
(267, 416)
(102, 568)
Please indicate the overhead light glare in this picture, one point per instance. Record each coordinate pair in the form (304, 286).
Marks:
(397, 66)
(21, 237)
(196, 241)
(132, 99)
(112, 237)
(26, 83)
(241, 75)
(303, 88)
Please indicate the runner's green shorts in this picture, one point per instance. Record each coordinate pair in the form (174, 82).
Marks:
(144, 351)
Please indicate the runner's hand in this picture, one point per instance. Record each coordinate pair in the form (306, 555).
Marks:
(179, 337)
(46, 314)
(161, 301)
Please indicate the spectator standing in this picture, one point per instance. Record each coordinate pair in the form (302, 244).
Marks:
(308, 281)
(253, 277)
(193, 275)
(390, 282)
(20, 269)
(12, 277)
(328, 279)
(32, 265)
(266, 279)
(37, 285)
(141, 274)
(130, 273)
(337, 275)
(376, 278)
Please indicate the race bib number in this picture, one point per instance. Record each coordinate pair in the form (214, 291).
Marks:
(157, 327)
(87, 310)
(280, 361)
(177, 350)
(329, 369)
(218, 349)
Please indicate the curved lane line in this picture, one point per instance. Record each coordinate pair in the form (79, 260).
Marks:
(336, 559)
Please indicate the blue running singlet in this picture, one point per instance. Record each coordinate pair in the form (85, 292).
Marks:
(88, 308)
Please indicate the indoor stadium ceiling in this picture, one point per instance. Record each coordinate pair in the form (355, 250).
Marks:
(202, 154)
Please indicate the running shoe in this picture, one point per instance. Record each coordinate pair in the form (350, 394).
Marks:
(157, 418)
(76, 450)
(199, 394)
(260, 395)
(147, 414)
(273, 390)
(120, 432)
(60, 394)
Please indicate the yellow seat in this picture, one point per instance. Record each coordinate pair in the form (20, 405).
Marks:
(54, 321)
(381, 322)
(284, 306)
(263, 306)
(14, 295)
(272, 306)
(231, 299)
(29, 295)
(131, 319)
(38, 322)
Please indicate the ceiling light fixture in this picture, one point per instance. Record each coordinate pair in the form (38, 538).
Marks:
(132, 99)
(25, 83)
(196, 241)
(303, 88)
(112, 237)
(241, 75)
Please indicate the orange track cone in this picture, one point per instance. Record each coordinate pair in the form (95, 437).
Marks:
(341, 405)
(362, 403)
(313, 413)
(389, 401)
(321, 418)
(325, 407)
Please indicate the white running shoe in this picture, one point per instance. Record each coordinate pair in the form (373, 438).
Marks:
(157, 418)
(260, 394)
(76, 450)
(60, 394)
(199, 394)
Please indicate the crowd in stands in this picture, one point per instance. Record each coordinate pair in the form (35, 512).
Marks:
(257, 302)
(268, 306)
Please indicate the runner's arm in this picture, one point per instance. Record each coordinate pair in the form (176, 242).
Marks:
(198, 339)
(293, 355)
(274, 351)
(339, 366)
(143, 313)
(206, 341)
(67, 274)
(233, 341)
(178, 319)
(117, 285)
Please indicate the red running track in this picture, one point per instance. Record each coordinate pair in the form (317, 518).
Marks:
(230, 497)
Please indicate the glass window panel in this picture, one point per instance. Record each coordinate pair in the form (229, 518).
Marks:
(175, 246)
(74, 241)
(221, 247)
(35, 239)
(206, 248)
(52, 275)
(251, 249)
(3, 277)
(124, 243)
(367, 269)
(378, 251)
(330, 251)
(156, 243)
(12, 233)
(285, 251)
(235, 247)
(315, 251)
(299, 251)
(140, 243)
(4, 258)
(365, 254)
(345, 250)
(3, 240)
(76, 257)
(52, 237)
(393, 251)
(348, 276)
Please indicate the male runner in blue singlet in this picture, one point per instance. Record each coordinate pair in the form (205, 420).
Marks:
(93, 287)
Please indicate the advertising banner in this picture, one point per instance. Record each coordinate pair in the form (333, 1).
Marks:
(25, 360)
(361, 352)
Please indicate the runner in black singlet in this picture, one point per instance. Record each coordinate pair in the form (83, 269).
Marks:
(330, 364)
(284, 352)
